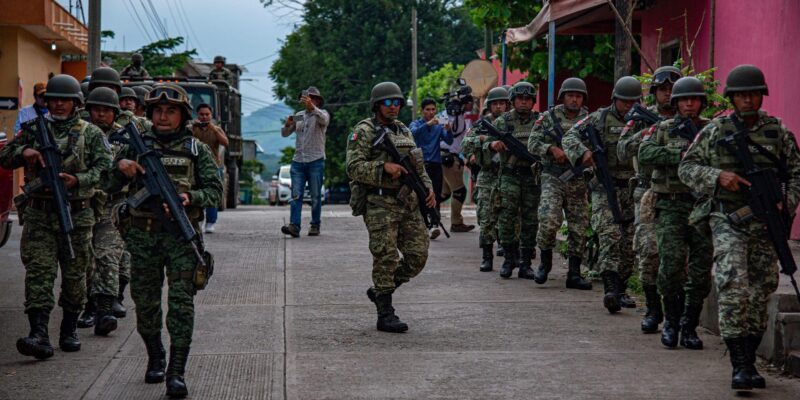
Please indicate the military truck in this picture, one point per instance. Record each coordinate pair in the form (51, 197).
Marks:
(226, 101)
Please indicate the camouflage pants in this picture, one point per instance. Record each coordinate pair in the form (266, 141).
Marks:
(678, 240)
(125, 266)
(154, 255)
(644, 244)
(108, 249)
(519, 203)
(559, 200)
(746, 275)
(44, 251)
(487, 207)
(615, 241)
(394, 228)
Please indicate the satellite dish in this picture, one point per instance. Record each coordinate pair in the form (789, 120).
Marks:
(480, 76)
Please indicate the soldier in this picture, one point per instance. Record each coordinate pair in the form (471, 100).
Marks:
(391, 215)
(141, 92)
(155, 253)
(108, 77)
(135, 70)
(85, 157)
(644, 236)
(128, 100)
(497, 103)
(518, 185)
(746, 268)
(615, 259)
(661, 150)
(562, 195)
(220, 72)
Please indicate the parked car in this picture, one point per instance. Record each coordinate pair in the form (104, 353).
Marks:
(280, 189)
(307, 194)
(6, 194)
(338, 194)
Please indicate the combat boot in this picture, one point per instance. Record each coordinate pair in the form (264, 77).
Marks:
(574, 278)
(371, 294)
(625, 301)
(740, 377)
(758, 382)
(88, 318)
(673, 308)
(689, 322)
(545, 266)
(156, 359)
(105, 322)
(611, 297)
(487, 263)
(387, 320)
(500, 251)
(511, 260)
(37, 343)
(525, 270)
(68, 337)
(176, 385)
(118, 308)
(654, 314)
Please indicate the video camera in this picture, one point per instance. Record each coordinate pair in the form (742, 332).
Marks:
(454, 101)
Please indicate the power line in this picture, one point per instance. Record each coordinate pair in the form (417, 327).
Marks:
(141, 25)
(149, 19)
(158, 20)
(262, 58)
(191, 28)
(178, 25)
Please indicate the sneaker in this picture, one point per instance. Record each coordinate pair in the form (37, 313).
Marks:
(291, 229)
(435, 232)
(461, 228)
(314, 230)
(209, 228)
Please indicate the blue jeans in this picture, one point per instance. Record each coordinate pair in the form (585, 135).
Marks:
(310, 172)
(211, 212)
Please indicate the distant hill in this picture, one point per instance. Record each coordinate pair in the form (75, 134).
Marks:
(264, 126)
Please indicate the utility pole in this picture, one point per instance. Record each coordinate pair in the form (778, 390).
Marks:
(622, 42)
(93, 60)
(413, 63)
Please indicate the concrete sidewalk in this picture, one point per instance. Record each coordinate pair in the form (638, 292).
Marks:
(288, 319)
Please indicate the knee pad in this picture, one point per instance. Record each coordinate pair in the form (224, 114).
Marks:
(460, 194)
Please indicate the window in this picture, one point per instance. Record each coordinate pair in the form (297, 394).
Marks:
(670, 52)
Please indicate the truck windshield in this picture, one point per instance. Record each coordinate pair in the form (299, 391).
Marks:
(199, 95)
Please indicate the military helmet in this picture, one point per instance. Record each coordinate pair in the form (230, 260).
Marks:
(127, 93)
(688, 86)
(744, 78)
(137, 57)
(497, 94)
(105, 76)
(627, 88)
(383, 91)
(103, 96)
(522, 88)
(664, 74)
(219, 59)
(168, 93)
(141, 92)
(63, 86)
(85, 89)
(573, 85)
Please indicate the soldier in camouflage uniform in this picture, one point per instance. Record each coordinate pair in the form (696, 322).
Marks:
(644, 236)
(677, 237)
(616, 256)
(156, 253)
(563, 187)
(135, 70)
(486, 185)
(746, 263)
(220, 72)
(518, 185)
(86, 157)
(390, 212)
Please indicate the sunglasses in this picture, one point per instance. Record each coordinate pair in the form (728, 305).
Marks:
(661, 77)
(392, 102)
(165, 93)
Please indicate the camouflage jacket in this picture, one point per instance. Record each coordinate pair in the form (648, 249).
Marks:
(224, 74)
(661, 151)
(576, 141)
(521, 128)
(132, 71)
(545, 135)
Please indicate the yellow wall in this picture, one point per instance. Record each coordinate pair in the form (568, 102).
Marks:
(8, 74)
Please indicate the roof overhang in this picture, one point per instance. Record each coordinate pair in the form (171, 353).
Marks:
(49, 22)
(572, 17)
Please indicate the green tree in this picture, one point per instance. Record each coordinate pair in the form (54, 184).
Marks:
(156, 58)
(287, 154)
(437, 82)
(345, 47)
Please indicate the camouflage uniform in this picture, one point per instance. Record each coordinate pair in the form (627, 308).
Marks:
(746, 264)
(393, 224)
(132, 71)
(485, 186)
(223, 74)
(43, 248)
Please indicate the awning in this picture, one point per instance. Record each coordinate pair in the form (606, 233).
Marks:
(572, 17)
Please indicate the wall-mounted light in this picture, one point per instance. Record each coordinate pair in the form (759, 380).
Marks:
(53, 46)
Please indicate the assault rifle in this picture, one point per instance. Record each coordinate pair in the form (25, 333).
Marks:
(513, 145)
(557, 133)
(639, 113)
(766, 193)
(158, 190)
(685, 129)
(410, 179)
(49, 179)
(600, 158)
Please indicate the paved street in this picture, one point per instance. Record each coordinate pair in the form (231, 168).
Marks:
(288, 319)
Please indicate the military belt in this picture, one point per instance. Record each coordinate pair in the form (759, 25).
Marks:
(47, 205)
(146, 224)
(619, 183)
(555, 170)
(518, 171)
(685, 197)
(383, 191)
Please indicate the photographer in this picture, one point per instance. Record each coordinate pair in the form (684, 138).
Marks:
(309, 159)
(457, 105)
(428, 133)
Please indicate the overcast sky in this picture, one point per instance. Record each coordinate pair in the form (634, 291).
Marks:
(242, 30)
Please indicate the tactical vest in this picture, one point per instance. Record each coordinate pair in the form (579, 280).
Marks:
(522, 131)
(180, 161)
(769, 135)
(72, 147)
(665, 177)
(403, 140)
(612, 130)
(550, 135)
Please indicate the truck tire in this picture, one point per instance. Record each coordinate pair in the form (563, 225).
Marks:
(233, 185)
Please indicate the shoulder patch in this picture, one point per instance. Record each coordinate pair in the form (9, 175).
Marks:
(649, 132)
(353, 135)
